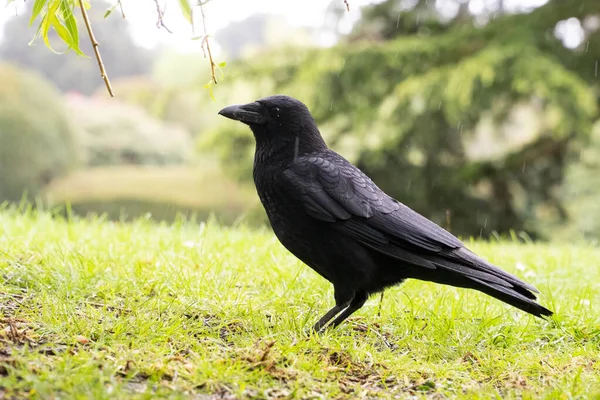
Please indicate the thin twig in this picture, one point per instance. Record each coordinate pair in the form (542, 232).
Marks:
(207, 44)
(212, 63)
(159, 22)
(121, 7)
(95, 44)
(347, 5)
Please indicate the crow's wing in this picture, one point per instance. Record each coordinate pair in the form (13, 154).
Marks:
(333, 190)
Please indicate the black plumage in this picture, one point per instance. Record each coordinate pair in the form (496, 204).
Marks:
(331, 216)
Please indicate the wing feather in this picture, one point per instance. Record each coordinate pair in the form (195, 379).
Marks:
(334, 190)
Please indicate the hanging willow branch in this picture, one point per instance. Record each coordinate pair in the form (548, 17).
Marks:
(95, 45)
(160, 17)
(206, 44)
(121, 8)
(58, 14)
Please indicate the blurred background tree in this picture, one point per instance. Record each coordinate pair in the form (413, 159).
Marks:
(249, 36)
(469, 117)
(117, 133)
(37, 140)
(480, 114)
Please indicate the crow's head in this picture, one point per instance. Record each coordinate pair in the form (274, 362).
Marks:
(278, 120)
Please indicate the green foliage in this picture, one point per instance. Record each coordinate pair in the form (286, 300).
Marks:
(73, 72)
(114, 132)
(37, 143)
(389, 19)
(146, 310)
(59, 15)
(59, 19)
(437, 119)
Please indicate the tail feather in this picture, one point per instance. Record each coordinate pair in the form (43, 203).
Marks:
(461, 268)
(474, 261)
(474, 273)
(512, 297)
(489, 279)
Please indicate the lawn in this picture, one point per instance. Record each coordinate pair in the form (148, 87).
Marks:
(99, 309)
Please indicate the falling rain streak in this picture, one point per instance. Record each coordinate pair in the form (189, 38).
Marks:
(296, 147)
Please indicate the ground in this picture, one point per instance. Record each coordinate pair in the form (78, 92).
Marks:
(99, 309)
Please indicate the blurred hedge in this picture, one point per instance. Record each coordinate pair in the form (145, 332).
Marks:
(123, 209)
(162, 191)
(179, 105)
(430, 119)
(37, 142)
(113, 132)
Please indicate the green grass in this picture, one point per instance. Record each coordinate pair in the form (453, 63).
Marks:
(100, 309)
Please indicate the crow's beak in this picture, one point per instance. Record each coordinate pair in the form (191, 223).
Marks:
(251, 113)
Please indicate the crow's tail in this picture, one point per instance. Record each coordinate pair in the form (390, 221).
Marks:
(513, 296)
(464, 269)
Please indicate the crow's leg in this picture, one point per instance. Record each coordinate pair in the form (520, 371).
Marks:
(327, 317)
(343, 298)
(357, 302)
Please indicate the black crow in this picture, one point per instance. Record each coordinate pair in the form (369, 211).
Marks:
(331, 216)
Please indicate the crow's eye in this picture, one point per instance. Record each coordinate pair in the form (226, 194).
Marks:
(276, 111)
